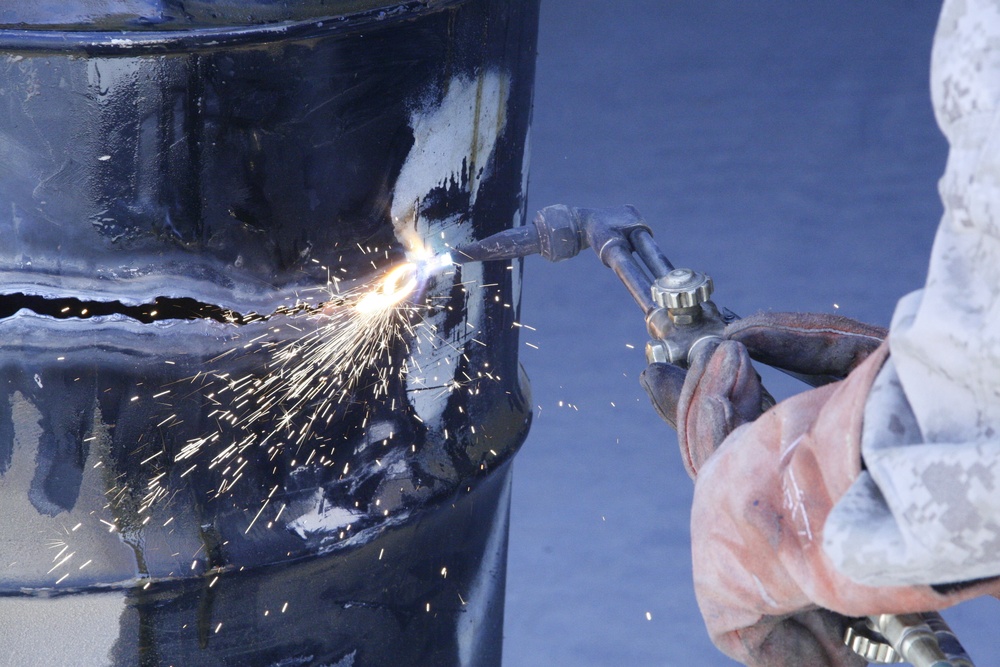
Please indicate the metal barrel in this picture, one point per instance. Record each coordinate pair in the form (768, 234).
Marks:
(183, 482)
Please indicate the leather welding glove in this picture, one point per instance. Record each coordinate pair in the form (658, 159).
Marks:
(814, 344)
(764, 487)
(728, 393)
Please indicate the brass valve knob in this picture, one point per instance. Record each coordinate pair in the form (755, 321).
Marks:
(870, 645)
(682, 288)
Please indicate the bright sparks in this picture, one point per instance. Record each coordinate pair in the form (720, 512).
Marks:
(321, 368)
(346, 344)
(397, 285)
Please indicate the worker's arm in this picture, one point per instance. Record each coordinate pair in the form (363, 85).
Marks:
(765, 487)
(931, 441)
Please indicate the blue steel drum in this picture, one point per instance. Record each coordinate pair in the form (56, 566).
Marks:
(215, 448)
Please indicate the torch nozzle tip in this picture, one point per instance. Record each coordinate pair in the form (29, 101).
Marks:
(435, 264)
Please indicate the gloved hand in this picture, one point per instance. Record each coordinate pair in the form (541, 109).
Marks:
(724, 388)
(766, 483)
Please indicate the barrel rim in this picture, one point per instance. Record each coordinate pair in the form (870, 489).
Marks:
(61, 41)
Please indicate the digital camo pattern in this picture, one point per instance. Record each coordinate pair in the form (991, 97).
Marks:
(927, 510)
(923, 511)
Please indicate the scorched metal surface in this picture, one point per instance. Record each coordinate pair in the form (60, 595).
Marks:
(181, 186)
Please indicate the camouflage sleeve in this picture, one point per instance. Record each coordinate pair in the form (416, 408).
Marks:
(926, 509)
(920, 512)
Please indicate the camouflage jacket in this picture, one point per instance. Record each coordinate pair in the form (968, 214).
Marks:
(926, 507)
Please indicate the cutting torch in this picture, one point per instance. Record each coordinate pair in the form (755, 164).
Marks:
(681, 318)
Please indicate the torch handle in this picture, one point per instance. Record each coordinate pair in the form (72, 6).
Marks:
(923, 640)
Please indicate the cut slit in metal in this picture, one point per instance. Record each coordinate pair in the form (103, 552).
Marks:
(160, 309)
